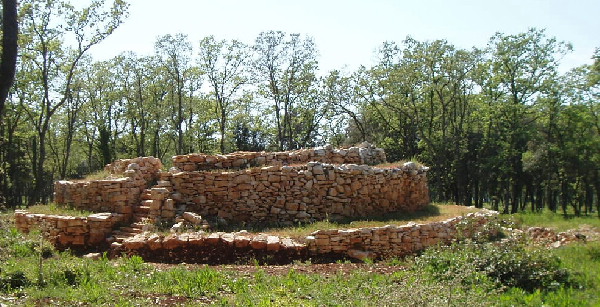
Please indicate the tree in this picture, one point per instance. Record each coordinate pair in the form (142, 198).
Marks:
(175, 52)
(286, 66)
(8, 61)
(226, 67)
(523, 67)
(422, 95)
(52, 65)
(341, 92)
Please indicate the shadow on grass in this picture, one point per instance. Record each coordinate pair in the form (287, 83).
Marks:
(398, 217)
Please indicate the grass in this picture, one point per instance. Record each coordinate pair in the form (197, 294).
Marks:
(431, 213)
(54, 209)
(68, 280)
(547, 218)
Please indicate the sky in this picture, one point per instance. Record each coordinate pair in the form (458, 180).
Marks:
(348, 32)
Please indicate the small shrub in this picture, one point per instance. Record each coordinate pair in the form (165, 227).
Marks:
(134, 264)
(14, 280)
(508, 264)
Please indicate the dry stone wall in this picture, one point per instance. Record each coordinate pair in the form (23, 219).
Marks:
(363, 154)
(393, 241)
(281, 188)
(111, 195)
(69, 231)
(289, 194)
(361, 243)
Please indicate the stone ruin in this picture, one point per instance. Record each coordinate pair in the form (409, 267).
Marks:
(245, 189)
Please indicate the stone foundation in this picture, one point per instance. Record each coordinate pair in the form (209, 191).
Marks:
(281, 188)
(71, 232)
(361, 243)
(110, 195)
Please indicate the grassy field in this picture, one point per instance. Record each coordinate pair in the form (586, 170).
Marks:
(511, 273)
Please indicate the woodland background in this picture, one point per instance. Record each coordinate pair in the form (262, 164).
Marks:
(499, 124)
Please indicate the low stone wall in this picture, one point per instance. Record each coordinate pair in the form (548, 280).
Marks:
(111, 195)
(68, 231)
(391, 241)
(312, 192)
(363, 154)
(213, 248)
(147, 167)
(361, 243)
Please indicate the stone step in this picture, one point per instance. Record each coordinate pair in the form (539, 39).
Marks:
(121, 238)
(146, 195)
(142, 219)
(130, 229)
(125, 232)
(141, 209)
(138, 225)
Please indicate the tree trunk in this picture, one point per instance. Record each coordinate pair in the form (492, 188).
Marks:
(8, 62)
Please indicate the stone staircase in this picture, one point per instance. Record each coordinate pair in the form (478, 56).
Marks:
(156, 203)
(140, 219)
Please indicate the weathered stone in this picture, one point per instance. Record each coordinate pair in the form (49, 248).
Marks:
(273, 243)
(259, 242)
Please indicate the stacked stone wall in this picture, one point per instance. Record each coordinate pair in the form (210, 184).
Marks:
(363, 154)
(361, 243)
(70, 231)
(287, 194)
(110, 195)
(393, 241)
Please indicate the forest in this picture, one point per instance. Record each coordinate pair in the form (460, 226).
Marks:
(499, 125)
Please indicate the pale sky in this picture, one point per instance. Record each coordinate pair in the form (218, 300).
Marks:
(347, 32)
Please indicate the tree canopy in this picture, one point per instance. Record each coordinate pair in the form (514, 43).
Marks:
(498, 124)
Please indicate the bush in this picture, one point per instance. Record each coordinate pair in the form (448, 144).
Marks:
(13, 281)
(508, 263)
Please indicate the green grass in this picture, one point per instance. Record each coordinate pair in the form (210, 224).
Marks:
(448, 277)
(55, 209)
(558, 221)
(583, 260)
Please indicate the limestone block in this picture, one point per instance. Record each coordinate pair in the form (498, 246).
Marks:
(154, 242)
(242, 241)
(228, 239)
(259, 242)
(273, 243)
(213, 238)
(171, 242)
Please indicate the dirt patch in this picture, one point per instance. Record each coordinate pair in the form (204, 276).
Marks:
(324, 269)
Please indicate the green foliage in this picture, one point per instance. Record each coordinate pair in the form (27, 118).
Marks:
(560, 222)
(507, 263)
(497, 123)
(465, 274)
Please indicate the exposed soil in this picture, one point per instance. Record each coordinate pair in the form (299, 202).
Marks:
(324, 269)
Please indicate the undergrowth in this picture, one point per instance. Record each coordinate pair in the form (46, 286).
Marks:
(501, 273)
